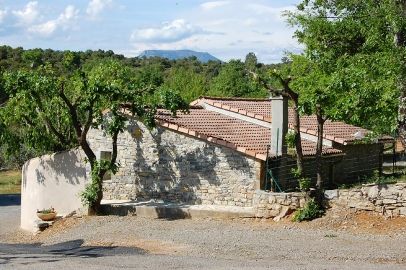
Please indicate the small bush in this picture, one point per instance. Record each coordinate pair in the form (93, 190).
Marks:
(310, 211)
(305, 183)
(290, 139)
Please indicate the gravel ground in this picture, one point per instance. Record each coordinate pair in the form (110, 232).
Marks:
(337, 241)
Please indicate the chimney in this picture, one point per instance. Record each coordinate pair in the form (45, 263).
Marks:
(279, 126)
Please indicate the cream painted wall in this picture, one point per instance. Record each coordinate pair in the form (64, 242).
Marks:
(52, 180)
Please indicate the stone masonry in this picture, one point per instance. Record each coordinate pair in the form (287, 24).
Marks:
(389, 200)
(271, 204)
(165, 165)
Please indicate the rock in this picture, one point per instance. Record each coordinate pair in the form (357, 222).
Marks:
(285, 210)
(373, 192)
(362, 205)
(389, 201)
(42, 225)
(331, 194)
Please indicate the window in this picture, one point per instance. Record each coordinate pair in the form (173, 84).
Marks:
(106, 155)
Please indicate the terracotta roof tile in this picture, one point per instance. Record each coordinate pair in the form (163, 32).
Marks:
(243, 136)
(261, 108)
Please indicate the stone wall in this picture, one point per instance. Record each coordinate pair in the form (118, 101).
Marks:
(271, 204)
(166, 165)
(389, 200)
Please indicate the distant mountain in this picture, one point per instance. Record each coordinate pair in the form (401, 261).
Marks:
(179, 54)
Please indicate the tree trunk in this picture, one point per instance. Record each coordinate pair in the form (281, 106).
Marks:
(319, 148)
(296, 122)
(298, 139)
(94, 209)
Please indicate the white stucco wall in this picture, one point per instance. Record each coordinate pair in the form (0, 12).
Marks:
(52, 180)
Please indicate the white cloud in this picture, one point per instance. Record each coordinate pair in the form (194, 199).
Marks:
(275, 13)
(213, 4)
(245, 26)
(169, 32)
(63, 22)
(27, 15)
(3, 14)
(96, 6)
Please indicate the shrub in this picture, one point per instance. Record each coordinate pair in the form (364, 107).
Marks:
(290, 138)
(310, 211)
(305, 183)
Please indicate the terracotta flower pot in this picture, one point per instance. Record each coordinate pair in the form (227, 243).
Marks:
(46, 216)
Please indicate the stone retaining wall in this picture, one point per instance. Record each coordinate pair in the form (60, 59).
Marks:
(277, 205)
(389, 200)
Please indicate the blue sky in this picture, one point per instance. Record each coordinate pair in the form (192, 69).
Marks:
(228, 29)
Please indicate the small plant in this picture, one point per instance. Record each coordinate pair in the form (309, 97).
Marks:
(305, 183)
(46, 211)
(290, 139)
(310, 211)
(330, 235)
(296, 172)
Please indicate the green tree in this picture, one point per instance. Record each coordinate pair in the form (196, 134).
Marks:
(185, 81)
(54, 112)
(351, 68)
(352, 42)
(251, 61)
(234, 81)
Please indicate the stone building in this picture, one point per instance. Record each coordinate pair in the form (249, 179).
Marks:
(224, 150)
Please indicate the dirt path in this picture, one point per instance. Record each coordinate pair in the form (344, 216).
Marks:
(341, 240)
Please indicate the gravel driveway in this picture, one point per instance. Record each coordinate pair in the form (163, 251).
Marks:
(9, 214)
(133, 242)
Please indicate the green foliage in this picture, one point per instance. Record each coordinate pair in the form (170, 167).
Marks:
(173, 101)
(305, 183)
(89, 195)
(350, 65)
(189, 83)
(310, 211)
(379, 179)
(296, 172)
(251, 61)
(234, 80)
(290, 139)
(46, 210)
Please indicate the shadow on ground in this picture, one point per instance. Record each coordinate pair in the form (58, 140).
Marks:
(10, 199)
(30, 253)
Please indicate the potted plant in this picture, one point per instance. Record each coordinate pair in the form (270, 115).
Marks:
(46, 214)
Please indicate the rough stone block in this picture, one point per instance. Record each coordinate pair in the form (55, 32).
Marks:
(271, 199)
(331, 194)
(389, 201)
(362, 205)
(373, 192)
(285, 210)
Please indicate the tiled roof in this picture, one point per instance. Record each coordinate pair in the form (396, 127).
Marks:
(261, 109)
(243, 136)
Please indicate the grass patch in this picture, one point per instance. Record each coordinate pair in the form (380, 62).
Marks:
(10, 182)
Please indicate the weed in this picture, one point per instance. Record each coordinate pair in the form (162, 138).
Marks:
(310, 211)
